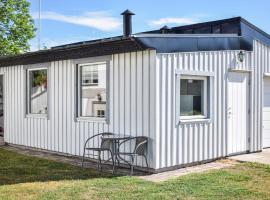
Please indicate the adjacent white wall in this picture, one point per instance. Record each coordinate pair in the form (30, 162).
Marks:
(132, 105)
(188, 142)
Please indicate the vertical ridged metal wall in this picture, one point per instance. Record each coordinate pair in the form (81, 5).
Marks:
(142, 102)
(189, 142)
(132, 105)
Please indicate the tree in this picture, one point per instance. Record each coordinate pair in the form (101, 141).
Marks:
(16, 27)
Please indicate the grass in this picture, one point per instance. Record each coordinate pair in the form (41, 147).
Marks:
(23, 177)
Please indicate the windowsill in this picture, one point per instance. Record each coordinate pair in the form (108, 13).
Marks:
(38, 116)
(239, 70)
(195, 120)
(190, 117)
(91, 119)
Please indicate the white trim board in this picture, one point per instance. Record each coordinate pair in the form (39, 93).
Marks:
(239, 70)
(194, 73)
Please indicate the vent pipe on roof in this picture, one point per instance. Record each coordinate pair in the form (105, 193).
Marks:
(127, 23)
(164, 29)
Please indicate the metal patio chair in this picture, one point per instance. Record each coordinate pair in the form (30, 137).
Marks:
(140, 149)
(104, 146)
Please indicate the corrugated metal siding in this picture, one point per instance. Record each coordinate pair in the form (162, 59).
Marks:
(190, 142)
(142, 102)
(132, 105)
(261, 63)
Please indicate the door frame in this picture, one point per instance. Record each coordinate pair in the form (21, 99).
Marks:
(249, 111)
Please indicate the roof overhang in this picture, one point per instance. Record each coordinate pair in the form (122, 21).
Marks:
(83, 50)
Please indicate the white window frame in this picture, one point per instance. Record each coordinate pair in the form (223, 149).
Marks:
(78, 88)
(28, 113)
(205, 101)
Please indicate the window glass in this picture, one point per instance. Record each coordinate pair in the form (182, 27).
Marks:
(93, 90)
(202, 30)
(230, 27)
(37, 96)
(191, 99)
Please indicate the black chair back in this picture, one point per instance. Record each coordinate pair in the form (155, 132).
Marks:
(106, 143)
(141, 145)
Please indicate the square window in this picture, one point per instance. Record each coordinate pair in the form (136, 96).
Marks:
(92, 90)
(37, 91)
(193, 97)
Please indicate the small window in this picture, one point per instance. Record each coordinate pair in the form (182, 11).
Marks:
(37, 91)
(92, 89)
(193, 97)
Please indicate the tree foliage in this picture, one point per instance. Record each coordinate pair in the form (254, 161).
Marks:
(39, 78)
(16, 27)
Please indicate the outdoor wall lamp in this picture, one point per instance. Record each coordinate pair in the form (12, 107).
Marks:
(240, 56)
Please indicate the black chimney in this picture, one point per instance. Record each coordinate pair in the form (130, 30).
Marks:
(165, 29)
(127, 23)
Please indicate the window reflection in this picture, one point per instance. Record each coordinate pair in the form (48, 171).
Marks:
(191, 97)
(37, 85)
(93, 90)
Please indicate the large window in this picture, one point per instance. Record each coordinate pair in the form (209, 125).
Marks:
(92, 89)
(193, 97)
(37, 91)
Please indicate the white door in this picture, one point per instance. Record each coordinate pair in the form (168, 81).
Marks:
(238, 113)
(266, 114)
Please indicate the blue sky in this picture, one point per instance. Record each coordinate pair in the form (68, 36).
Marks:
(67, 21)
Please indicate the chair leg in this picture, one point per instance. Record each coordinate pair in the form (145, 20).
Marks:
(132, 166)
(83, 158)
(146, 161)
(112, 162)
(99, 161)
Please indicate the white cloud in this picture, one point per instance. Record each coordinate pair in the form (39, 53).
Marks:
(99, 20)
(172, 20)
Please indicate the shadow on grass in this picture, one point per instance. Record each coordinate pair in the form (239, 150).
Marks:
(16, 168)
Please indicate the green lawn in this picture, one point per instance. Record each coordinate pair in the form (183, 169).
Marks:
(24, 177)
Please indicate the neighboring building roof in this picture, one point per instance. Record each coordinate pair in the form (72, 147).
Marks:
(224, 26)
(228, 34)
(237, 25)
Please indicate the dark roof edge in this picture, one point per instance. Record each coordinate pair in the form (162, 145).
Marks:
(255, 27)
(197, 25)
(233, 19)
(228, 20)
(55, 49)
(97, 48)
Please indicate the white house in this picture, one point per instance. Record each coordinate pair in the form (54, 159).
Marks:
(199, 92)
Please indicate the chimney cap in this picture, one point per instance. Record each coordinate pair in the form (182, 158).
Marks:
(127, 12)
(165, 28)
